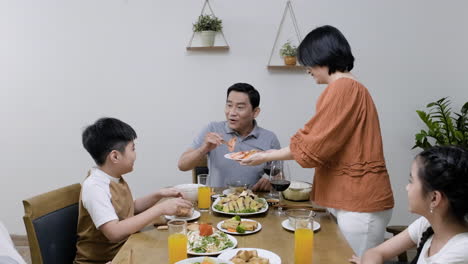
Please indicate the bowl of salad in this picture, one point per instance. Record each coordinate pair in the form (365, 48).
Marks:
(204, 240)
(204, 260)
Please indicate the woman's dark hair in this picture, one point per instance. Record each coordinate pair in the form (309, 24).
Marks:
(326, 46)
(254, 96)
(445, 169)
(105, 135)
(425, 236)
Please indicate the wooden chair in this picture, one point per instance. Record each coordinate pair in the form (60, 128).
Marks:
(200, 168)
(51, 221)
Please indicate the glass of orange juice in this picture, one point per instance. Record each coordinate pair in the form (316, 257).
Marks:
(204, 193)
(303, 240)
(177, 241)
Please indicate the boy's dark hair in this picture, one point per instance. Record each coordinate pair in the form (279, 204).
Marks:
(105, 135)
(445, 169)
(326, 46)
(254, 96)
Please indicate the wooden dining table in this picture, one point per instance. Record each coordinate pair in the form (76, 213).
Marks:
(151, 245)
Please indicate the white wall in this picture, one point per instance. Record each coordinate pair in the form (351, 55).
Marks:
(63, 64)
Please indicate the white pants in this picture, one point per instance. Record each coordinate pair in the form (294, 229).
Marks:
(362, 230)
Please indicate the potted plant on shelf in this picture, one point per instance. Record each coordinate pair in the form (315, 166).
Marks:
(289, 52)
(207, 26)
(443, 128)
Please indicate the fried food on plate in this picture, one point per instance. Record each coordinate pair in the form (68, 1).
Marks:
(243, 154)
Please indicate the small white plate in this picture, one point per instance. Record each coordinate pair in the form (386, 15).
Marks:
(262, 210)
(196, 214)
(200, 259)
(272, 257)
(259, 226)
(233, 239)
(286, 225)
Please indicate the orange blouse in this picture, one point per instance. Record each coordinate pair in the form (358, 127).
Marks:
(344, 145)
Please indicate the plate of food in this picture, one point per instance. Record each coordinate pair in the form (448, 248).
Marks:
(250, 255)
(239, 226)
(241, 155)
(245, 203)
(204, 240)
(204, 260)
(195, 215)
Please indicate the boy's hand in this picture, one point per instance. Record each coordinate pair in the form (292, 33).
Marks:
(169, 192)
(173, 206)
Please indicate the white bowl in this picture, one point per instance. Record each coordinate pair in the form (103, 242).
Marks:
(189, 191)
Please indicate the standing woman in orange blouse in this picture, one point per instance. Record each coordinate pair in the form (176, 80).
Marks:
(342, 141)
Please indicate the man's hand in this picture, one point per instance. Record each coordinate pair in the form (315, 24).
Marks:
(173, 206)
(169, 192)
(262, 185)
(212, 141)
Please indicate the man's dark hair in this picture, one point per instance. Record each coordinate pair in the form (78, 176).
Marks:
(254, 96)
(105, 135)
(326, 46)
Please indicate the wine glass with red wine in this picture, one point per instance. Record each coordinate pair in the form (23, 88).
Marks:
(279, 180)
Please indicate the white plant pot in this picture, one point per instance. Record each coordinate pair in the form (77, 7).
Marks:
(207, 38)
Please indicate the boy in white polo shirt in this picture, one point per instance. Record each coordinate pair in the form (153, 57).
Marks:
(107, 212)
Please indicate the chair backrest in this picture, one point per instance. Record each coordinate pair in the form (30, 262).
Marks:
(51, 223)
(200, 168)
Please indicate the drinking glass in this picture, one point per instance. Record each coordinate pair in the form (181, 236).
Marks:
(177, 241)
(204, 193)
(303, 240)
(270, 197)
(279, 180)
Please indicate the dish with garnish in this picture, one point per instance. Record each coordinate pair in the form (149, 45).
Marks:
(204, 240)
(251, 255)
(239, 226)
(245, 203)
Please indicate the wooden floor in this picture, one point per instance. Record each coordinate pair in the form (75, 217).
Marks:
(21, 244)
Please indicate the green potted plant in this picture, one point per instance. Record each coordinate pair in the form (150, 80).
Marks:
(207, 26)
(442, 127)
(288, 52)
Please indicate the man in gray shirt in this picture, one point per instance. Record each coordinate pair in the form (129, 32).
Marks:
(242, 107)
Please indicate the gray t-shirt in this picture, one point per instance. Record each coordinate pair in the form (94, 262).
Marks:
(221, 169)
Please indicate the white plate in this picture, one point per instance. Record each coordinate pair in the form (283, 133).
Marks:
(233, 239)
(196, 214)
(236, 233)
(200, 259)
(272, 257)
(262, 210)
(286, 225)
